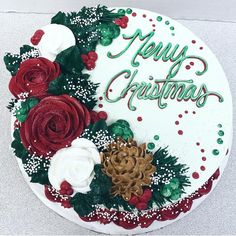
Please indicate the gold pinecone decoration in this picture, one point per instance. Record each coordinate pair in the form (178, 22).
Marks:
(129, 167)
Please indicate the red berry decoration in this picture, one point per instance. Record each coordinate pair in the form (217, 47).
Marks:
(69, 191)
(94, 117)
(89, 60)
(125, 19)
(66, 188)
(102, 115)
(141, 206)
(123, 25)
(141, 202)
(90, 64)
(147, 195)
(117, 21)
(65, 185)
(93, 56)
(133, 200)
(37, 37)
(84, 58)
(63, 192)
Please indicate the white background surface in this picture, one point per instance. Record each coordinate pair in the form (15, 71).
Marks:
(20, 210)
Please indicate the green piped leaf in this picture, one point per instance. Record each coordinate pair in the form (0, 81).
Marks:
(77, 86)
(21, 112)
(70, 60)
(13, 61)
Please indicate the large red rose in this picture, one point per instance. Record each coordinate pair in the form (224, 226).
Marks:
(53, 124)
(33, 77)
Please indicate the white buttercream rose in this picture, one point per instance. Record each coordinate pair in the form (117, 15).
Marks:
(55, 39)
(75, 165)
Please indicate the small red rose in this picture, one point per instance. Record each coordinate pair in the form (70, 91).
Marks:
(53, 124)
(33, 77)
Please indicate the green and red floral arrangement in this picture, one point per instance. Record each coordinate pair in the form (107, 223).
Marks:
(83, 161)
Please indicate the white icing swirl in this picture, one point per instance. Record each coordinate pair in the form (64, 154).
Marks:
(55, 39)
(74, 164)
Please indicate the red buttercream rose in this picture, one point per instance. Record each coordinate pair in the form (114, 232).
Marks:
(33, 77)
(53, 124)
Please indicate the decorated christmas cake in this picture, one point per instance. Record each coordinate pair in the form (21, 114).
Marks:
(121, 117)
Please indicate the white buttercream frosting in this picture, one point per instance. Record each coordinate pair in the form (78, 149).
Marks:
(74, 164)
(55, 39)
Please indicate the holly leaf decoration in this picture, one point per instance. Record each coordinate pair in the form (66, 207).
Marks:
(99, 134)
(77, 86)
(169, 180)
(35, 167)
(70, 60)
(22, 111)
(41, 177)
(85, 26)
(82, 204)
(61, 18)
(100, 191)
(99, 194)
(13, 61)
(18, 147)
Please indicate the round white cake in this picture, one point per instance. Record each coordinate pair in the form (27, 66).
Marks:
(147, 127)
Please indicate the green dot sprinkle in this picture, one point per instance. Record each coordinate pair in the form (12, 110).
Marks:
(156, 137)
(173, 34)
(221, 133)
(172, 28)
(121, 11)
(215, 152)
(167, 22)
(151, 146)
(159, 18)
(219, 141)
(129, 11)
(219, 125)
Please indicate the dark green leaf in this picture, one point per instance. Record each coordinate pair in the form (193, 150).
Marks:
(70, 60)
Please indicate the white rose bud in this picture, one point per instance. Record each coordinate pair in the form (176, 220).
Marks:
(56, 38)
(75, 165)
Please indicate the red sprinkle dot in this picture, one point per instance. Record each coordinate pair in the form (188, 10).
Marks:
(203, 168)
(202, 150)
(110, 90)
(197, 143)
(180, 116)
(139, 118)
(195, 175)
(102, 115)
(193, 41)
(134, 14)
(204, 158)
(201, 48)
(144, 15)
(153, 30)
(186, 112)
(176, 122)
(180, 132)
(100, 98)
(100, 105)
(153, 25)
(194, 112)
(150, 20)
(187, 67)
(192, 63)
